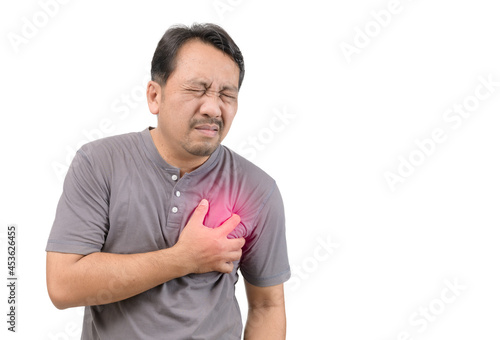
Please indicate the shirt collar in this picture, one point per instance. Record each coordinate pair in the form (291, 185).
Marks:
(156, 158)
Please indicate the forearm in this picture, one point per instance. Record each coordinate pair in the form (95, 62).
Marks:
(101, 278)
(266, 323)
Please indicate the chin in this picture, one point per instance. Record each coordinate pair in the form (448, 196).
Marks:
(201, 149)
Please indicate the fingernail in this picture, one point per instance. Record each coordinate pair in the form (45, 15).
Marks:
(203, 203)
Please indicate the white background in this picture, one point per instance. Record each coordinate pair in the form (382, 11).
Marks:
(351, 119)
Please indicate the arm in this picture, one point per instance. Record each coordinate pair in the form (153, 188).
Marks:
(99, 278)
(266, 313)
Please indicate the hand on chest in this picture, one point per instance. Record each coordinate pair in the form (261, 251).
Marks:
(219, 211)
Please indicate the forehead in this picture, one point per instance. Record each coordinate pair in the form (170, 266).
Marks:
(199, 60)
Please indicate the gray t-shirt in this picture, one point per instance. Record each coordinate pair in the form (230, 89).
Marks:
(120, 196)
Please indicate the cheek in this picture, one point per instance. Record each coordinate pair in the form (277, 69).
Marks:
(176, 117)
(228, 117)
(225, 131)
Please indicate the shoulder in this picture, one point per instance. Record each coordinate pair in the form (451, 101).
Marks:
(245, 170)
(256, 188)
(107, 156)
(112, 145)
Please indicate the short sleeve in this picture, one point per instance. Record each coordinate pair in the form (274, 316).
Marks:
(81, 222)
(264, 260)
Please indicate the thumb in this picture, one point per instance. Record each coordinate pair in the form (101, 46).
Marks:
(200, 212)
(228, 226)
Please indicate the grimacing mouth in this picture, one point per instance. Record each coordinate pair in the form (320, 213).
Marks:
(207, 127)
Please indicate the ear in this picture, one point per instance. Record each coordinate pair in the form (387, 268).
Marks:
(153, 95)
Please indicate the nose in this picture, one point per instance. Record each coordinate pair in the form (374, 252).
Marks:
(211, 104)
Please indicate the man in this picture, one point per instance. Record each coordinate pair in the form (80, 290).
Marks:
(152, 227)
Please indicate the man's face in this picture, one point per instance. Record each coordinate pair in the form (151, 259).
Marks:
(199, 100)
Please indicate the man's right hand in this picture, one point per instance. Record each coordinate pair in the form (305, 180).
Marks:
(205, 249)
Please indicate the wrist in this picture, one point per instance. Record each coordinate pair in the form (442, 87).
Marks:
(178, 261)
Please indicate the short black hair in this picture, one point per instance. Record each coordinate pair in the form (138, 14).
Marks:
(175, 37)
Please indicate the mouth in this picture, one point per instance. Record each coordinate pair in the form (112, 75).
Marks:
(207, 130)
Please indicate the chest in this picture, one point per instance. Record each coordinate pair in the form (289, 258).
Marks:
(147, 211)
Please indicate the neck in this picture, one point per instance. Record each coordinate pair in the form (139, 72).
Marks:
(184, 161)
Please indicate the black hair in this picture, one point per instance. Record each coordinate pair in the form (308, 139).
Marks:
(175, 37)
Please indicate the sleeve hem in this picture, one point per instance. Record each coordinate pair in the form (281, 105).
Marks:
(81, 249)
(268, 281)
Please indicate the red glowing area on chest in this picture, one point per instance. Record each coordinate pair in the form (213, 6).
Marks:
(218, 213)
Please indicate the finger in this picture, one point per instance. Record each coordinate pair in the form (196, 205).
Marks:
(235, 255)
(226, 267)
(236, 243)
(229, 225)
(199, 213)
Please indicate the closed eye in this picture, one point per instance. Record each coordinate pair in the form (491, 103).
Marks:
(197, 91)
(229, 95)
(225, 95)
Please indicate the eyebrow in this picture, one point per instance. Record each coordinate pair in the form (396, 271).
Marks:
(230, 88)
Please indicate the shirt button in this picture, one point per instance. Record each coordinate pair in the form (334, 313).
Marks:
(177, 193)
(175, 209)
(174, 177)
